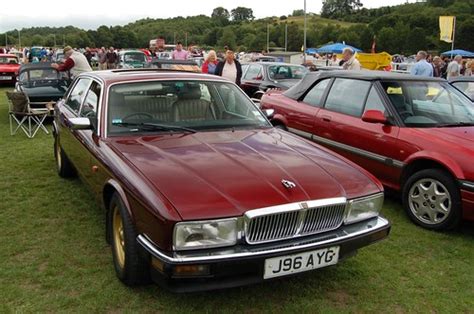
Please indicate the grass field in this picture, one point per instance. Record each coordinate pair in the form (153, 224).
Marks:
(53, 257)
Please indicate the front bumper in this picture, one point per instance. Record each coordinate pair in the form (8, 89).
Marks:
(244, 264)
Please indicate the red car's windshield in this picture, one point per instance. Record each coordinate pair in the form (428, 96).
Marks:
(9, 60)
(429, 104)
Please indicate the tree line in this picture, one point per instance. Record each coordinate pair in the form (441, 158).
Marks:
(401, 29)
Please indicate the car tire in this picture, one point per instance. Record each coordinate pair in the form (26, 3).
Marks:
(432, 199)
(130, 266)
(63, 165)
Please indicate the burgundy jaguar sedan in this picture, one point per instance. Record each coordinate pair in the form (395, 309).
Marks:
(199, 190)
(415, 134)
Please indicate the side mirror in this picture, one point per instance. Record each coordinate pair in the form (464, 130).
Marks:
(268, 113)
(80, 123)
(374, 116)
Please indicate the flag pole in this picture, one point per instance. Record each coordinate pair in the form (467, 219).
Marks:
(454, 34)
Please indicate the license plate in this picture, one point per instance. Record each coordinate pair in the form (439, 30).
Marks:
(5, 78)
(296, 263)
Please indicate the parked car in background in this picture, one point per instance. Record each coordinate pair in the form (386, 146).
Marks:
(9, 66)
(260, 76)
(200, 191)
(35, 54)
(58, 56)
(132, 59)
(465, 84)
(42, 83)
(415, 134)
(19, 55)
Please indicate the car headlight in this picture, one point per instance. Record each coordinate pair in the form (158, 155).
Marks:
(205, 234)
(364, 208)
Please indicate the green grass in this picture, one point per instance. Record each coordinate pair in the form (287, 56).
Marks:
(315, 21)
(53, 257)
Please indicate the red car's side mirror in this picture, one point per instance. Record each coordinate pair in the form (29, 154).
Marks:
(374, 116)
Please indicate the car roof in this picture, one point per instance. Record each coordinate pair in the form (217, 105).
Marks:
(36, 65)
(299, 89)
(8, 55)
(123, 75)
(271, 63)
(131, 51)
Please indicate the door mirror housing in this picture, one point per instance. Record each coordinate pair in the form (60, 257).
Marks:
(80, 123)
(374, 116)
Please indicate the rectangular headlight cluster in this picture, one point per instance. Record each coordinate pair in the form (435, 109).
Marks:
(205, 234)
(364, 208)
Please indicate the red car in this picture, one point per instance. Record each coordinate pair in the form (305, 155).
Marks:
(199, 190)
(9, 66)
(415, 134)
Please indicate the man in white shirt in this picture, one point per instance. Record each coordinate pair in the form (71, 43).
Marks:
(230, 68)
(350, 61)
(454, 67)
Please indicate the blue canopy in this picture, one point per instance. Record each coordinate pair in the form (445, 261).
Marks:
(460, 52)
(331, 48)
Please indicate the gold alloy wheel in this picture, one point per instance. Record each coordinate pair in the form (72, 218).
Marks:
(119, 241)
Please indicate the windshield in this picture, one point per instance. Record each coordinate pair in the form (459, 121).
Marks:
(175, 105)
(429, 104)
(39, 74)
(465, 87)
(282, 72)
(134, 58)
(8, 60)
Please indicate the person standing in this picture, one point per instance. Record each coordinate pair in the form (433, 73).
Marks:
(88, 55)
(102, 58)
(230, 68)
(422, 67)
(209, 66)
(111, 58)
(437, 67)
(469, 69)
(454, 67)
(75, 62)
(179, 53)
(350, 61)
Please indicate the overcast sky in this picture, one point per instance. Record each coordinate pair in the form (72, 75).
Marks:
(89, 14)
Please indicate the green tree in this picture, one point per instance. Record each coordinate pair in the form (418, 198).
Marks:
(298, 13)
(336, 8)
(242, 14)
(227, 39)
(464, 36)
(221, 16)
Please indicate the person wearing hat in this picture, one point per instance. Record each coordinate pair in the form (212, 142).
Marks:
(230, 68)
(75, 62)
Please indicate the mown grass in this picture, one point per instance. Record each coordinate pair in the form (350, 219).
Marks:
(53, 257)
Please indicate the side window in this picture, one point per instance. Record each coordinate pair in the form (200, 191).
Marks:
(374, 102)
(348, 96)
(91, 102)
(77, 94)
(253, 72)
(315, 95)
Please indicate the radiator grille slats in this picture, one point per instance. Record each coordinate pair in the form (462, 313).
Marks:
(285, 225)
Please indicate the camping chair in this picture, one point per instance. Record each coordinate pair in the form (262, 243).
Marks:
(27, 119)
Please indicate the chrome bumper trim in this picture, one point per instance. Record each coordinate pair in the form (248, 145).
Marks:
(343, 233)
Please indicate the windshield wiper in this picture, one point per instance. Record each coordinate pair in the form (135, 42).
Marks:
(155, 127)
(455, 124)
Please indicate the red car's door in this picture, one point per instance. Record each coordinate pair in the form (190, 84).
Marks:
(300, 115)
(339, 126)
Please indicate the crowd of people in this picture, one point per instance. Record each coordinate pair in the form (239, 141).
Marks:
(429, 66)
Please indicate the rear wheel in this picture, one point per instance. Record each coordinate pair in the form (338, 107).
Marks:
(432, 199)
(63, 165)
(131, 267)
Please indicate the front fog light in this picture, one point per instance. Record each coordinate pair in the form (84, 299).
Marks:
(364, 208)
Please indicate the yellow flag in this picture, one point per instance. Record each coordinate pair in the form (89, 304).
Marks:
(446, 28)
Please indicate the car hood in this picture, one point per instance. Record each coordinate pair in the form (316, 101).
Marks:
(463, 136)
(9, 67)
(223, 174)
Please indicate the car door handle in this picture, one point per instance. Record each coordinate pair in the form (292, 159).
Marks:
(326, 118)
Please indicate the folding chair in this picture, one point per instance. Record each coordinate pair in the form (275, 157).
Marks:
(28, 119)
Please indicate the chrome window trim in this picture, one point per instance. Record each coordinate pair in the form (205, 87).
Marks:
(99, 104)
(361, 152)
(70, 91)
(329, 238)
(106, 112)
